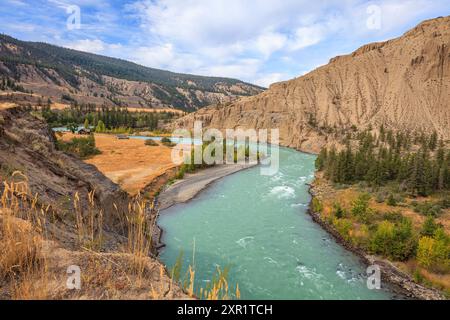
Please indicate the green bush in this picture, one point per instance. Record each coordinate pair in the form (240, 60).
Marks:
(167, 142)
(429, 227)
(382, 239)
(433, 252)
(391, 201)
(394, 240)
(181, 172)
(83, 147)
(151, 143)
(343, 226)
(338, 211)
(427, 208)
(316, 205)
(393, 216)
(380, 197)
(360, 208)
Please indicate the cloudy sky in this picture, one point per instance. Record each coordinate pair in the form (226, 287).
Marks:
(259, 41)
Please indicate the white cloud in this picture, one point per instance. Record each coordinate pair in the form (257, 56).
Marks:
(260, 41)
(241, 69)
(271, 78)
(307, 36)
(156, 56)
(86, 45)
(94, 46)
(270, 42)
(230, 38)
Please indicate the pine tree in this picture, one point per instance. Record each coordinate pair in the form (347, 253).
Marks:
(433, 141)
(100, 127)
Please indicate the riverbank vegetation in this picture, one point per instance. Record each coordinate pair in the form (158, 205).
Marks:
(190, 166)
(389, 195)
(419, 164)
(83, 147)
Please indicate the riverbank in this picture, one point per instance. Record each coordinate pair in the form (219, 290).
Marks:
(403, 283)
(188, 188)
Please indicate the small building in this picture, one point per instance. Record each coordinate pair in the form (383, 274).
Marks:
(122, 137)
(84, 131)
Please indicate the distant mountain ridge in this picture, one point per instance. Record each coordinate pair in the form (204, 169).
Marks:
(402, 84)
(55, 71)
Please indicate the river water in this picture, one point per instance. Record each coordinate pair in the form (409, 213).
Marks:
(258, 226)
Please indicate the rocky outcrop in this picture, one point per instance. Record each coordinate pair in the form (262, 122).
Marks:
(403, 84)
(27, 145)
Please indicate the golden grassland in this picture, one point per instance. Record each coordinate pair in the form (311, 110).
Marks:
(62, 106)
(129, 163)
(33, 263)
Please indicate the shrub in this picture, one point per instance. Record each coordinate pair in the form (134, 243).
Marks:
(167, 142)
(338, 211)
(395, 241)
(361, 237)
(317, 206)
(428, 208)
(405, 242)
(151, 143)
(382, 238)
(432, 253)
(181, 172)
(360, 208)
(100, 128)
(429, 227)
(391, 201)
(393, 216)
(343, 226)
(380, 197)
(418, 277)
(82, 147)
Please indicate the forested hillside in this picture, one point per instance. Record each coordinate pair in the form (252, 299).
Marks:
(52, 71)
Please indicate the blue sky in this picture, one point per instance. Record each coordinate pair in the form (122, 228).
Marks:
(259, 41)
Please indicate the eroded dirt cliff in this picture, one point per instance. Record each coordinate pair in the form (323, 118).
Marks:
(403, 84)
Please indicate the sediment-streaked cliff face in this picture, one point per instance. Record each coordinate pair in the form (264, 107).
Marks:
(403, 84)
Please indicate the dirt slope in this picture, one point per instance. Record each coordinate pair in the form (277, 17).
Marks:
(107, 264)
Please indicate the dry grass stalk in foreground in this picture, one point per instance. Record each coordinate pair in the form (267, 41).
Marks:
(21, 258)
(140, 230)
(217, 289)
(30, 262)
(89, 224)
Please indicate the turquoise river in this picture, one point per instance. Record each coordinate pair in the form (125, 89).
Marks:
(259, 227)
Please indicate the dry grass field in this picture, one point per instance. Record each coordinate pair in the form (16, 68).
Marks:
(129, 163)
